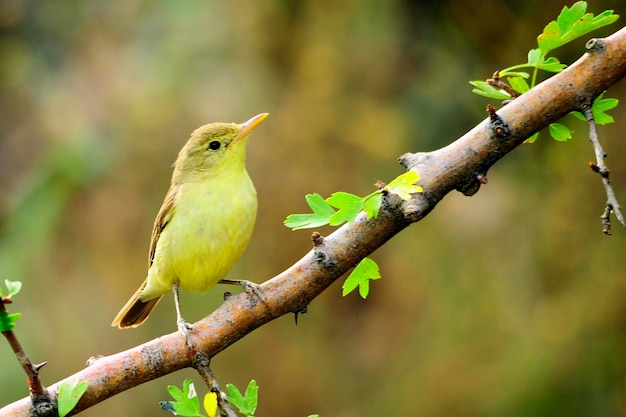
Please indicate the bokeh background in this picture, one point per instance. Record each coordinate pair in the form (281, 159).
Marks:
(507, 303)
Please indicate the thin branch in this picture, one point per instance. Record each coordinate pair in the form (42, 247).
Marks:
(42, 404)
(600, 168)
(203, 366)
(462, 166)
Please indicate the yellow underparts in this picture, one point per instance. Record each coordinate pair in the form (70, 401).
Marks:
(209, 229)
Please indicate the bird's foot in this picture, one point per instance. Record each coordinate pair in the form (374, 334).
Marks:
(185, 328)
(253, 289)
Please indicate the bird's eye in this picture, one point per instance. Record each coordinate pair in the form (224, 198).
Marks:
(214, 145)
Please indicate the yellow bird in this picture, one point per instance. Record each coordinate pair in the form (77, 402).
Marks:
(204, 224)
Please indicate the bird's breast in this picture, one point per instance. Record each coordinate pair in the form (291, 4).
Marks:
(208, 232)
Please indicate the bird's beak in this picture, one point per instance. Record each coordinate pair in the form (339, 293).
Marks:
(250, 125)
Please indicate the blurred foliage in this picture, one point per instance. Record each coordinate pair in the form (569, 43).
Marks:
(508, 303)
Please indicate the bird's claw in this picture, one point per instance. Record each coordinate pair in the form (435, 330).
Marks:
(185, 329)
(253, 289)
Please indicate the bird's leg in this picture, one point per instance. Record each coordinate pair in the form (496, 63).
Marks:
(183, 326)
(248, 286)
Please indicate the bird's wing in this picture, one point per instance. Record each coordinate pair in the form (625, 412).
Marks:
(162, 219)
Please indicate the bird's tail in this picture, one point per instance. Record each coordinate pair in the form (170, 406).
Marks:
(135, 311)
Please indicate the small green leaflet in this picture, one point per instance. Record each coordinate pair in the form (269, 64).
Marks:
(404, 185)
(322, 213)
(360, 277)
(348, 206)
(572, 23)
(185, 402)
(519, 84)
(536, 59)
(599, 107)
(372, 205)
(560, 132)
(489, 91)
(13, 288)
(69, 394)
(7, 321)
(246, 403)
(533, 138)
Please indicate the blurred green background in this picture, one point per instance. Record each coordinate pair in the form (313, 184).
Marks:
(507, 303)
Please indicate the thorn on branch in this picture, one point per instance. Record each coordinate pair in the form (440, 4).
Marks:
(302, 311)
(37, 367)
(500, 129)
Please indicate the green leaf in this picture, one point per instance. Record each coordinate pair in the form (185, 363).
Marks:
(551, 65)
(534, 56)
(519, 84)
(348, 207)
(404, 185)
(360, 277)
(532, 139)
(489, 91)
(247, 403)
(372, 204)
(560, 132)
(598, 108)
(14, 287)
(185, 402)
(7, 321)
(322, 213)
(69, 394)
(572, 23)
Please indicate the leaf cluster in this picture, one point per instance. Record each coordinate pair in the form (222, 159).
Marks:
(342, 207)
(572, 23)
(186, 402)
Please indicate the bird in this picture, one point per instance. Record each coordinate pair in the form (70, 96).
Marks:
(204, 224)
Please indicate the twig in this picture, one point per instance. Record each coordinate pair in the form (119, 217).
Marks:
(497, 82)
(600, 167)
(42, 404)
(202, 365)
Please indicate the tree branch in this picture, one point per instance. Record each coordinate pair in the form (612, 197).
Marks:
(462, 165)
(41, 402)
